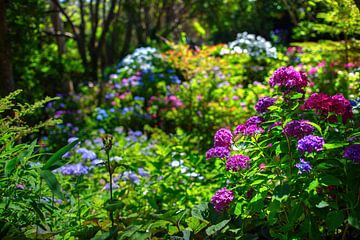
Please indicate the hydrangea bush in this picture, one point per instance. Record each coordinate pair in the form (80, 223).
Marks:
(297, 177)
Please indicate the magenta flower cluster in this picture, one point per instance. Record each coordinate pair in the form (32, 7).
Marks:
(311, 144)
(251, 127)
(298, 129)
(324, 104)
(353, 153)
(223, 138)
(264, 103)
(289, 79)
(237, 162)
(217, 152)
(222, 199)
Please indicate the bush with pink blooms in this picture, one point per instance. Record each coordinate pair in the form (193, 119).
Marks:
(291, 171)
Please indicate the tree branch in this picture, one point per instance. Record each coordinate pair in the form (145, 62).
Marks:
(62, 10)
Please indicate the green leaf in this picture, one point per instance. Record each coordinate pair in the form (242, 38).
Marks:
(334, 145)
(257, 182)
(313, 185)
(200, 211)
(37, 210)
(334, 220)
(55, 161)
(238, 209)
(330, 180)
(113, 205)
(217, 227)
(52, 182)
(316, 126)
(295, 214)
(322, 204)
(10, 165)
(281, 192)
(195, 224)
(354, 218)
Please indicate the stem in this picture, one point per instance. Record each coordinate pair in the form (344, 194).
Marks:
(111, 199)
(290, 154)
(78, 203)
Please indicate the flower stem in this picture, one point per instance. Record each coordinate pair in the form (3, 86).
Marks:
(111, 199)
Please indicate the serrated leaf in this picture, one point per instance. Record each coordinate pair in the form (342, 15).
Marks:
(52, 182)
(54, 161)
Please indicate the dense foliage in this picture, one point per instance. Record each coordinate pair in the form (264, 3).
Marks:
(179, 119)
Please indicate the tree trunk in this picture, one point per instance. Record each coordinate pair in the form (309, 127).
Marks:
(7, 83)
(58, 26)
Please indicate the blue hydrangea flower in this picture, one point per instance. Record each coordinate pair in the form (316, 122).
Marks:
(303, 166)
(73, 169)
(86, 154)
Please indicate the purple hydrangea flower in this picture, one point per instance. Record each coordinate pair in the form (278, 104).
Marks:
(86, 154)
(311, 143)
(113, 185)
(248, 130)
(264, 103)
(254, 120)
(303, 166)
(289, 79)
(223, 138)
(298, 129)
(129, 176)
(220, 152)
(73, 169)
(237, 162)
(142, 172)
(275, 124)
(353, 152)
(222, 199)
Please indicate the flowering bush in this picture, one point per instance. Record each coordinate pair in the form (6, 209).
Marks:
(262, 193)
(251, 44)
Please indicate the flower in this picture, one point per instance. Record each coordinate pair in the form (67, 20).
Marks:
(73, 169)
(289, 79)
(237, 162)
(248, 130)
(223, 138)
(298, 129)
(220, 152)
(86, 154)
(353, 152)
(264, 103)
(254, 120)
(20, 186)
(324, 104)
(303, 166)
(142, 172)
(113, 185)
(128, 176)
(222, 199)
(311, 143)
